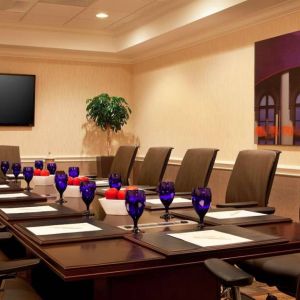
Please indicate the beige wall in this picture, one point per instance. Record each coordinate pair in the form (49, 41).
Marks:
(203, 96)
(61, 91)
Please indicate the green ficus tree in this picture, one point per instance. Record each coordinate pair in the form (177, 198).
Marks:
(110, 113)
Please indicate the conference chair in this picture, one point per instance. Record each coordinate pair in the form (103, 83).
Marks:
(13, 287)
(123, 162)
(195, 169)
(11, 154)
(251, 179)
(154, 166)
(230, 279)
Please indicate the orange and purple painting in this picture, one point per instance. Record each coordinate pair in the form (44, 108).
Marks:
(277, 90)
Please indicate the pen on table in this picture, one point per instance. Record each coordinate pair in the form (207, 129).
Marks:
(159, 224)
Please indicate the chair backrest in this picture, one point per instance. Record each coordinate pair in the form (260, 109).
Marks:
(154, 166)
(123, 162)
(195, 169)
(252, 176)
(11, 154)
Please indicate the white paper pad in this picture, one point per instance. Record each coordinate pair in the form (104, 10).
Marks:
(101, 182)
(232, 214)
(175, 200)
(4, 186)
(208, 238)
(13, 195)
(63, 228)
(13, 176)
(28, 209)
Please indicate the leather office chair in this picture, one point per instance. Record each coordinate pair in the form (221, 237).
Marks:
(230, 279)
(195, 169)
(13, 287)
(154, 166)
(11, 154)
(123, 162)
(251, 179)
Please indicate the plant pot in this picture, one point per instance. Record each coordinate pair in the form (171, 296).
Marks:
(103, 165)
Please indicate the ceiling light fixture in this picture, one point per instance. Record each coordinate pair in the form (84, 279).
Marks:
(102, 15)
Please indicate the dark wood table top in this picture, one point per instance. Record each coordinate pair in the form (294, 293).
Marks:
(92, 259)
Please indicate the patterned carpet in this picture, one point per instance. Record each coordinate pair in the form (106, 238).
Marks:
(259, 291)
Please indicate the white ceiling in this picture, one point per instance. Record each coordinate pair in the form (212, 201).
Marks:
(134, 30)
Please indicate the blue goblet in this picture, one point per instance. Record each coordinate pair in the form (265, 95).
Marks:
(61, 182)
(28, 175)
(135, 204)
(115, 181)
(166, 192)
(51, 167)
(16, 169)
(73, 172)
(39, 164)
(4, 166)
(87, 190)
(201, 199)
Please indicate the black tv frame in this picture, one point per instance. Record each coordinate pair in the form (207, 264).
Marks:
(31, 124)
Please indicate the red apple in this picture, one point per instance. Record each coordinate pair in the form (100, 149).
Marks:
(84, 179)
(45, 173)
(76, 181)
(70, 181)
(121, 194)
(37, 172)
(111, 193)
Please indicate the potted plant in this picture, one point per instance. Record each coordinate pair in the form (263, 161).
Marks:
(109, 113)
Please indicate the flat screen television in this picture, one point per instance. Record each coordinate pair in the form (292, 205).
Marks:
(17, 99)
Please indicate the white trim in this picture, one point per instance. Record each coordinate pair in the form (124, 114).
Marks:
(282, 170)
(63, 158)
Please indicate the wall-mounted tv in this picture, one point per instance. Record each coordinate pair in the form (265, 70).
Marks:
(17, 98)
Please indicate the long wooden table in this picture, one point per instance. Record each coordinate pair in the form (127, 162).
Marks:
(118, 268)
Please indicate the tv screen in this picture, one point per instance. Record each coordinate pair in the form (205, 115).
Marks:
(17, 97)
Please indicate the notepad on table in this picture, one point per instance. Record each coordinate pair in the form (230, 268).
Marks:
(101, 182)
(209, 238)
(63, 228)
(28, 209)
(4, 186)
(230, 214)
(13, 195)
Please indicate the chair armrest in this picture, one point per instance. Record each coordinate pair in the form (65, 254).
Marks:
(14, 266)
(4, 235)
(237, 204)
(227, 273)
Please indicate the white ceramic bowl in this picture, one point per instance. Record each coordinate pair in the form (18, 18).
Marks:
(42, 180)
(72, 191)
(113, 207)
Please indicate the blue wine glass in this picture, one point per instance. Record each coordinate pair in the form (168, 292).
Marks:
(39, 164)
(4, 166)
(87, 190)
(135, 204)
(28, 175)
(115, 181)
(73, 172)
(201, 199)
(51, 167)
(166, 192)
(61, 182)
(16, 169)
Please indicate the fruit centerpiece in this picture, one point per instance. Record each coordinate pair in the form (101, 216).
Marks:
(114, 201)
(42, 177)
(73, 186)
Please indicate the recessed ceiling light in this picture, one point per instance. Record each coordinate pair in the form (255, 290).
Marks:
(102, 15)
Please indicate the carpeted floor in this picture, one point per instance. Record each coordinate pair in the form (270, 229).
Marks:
(259, 291)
